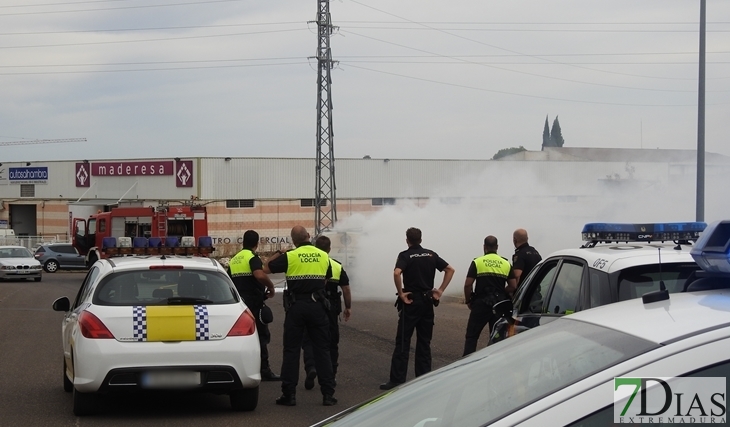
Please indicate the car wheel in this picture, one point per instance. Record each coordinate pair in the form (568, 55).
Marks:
(84, 403)
(51, 266)
(68, 386)
(245, 400)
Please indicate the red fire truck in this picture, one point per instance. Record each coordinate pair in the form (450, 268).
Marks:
(162, 221)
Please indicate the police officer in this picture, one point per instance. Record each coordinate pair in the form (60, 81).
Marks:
(416, 297)
(525, 258)
(339, 280)
(254, 286)
(489, 299)
(307, 268)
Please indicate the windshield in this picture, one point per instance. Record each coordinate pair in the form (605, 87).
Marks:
(155, 287)
(500, 379)
(15, 253)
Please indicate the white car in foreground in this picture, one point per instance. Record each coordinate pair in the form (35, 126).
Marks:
(158, 323)
(660, 359)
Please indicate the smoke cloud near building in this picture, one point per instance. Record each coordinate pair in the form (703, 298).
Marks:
(551, 200)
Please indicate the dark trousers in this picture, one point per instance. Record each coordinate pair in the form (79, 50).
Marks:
(481, 315)
(308, 351)
(255, 303)
(418, 316)
(310, 316)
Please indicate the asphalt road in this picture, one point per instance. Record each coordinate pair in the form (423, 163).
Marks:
(31, 391)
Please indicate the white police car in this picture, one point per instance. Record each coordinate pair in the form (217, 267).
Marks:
(574, 371)
(618, 262)
(158, 323)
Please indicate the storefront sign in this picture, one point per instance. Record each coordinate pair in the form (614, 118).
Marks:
(278, 240)
(28, 175)
(148, 168)
(3, 223)
(184, 173)
(82, 175)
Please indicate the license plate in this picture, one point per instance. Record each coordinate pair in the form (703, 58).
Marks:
(23, 271)
(170, 379)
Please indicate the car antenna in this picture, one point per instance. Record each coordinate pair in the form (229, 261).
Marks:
(662, 294)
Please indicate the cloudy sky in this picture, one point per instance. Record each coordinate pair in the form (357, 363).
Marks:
(415, 78)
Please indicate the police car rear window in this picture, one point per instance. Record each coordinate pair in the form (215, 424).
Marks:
(636, 281)
(172, 287)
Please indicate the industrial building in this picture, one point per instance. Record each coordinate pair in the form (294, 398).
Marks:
(271, 195)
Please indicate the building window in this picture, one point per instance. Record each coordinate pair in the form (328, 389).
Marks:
(242, 203)
(450, 200)
(309, 203)
(383, 201)
(27, 190)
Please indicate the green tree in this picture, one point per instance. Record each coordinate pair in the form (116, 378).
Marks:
(507, 151)
(556, 135)
(546, 142)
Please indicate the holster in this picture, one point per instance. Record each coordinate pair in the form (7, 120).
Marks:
(321, 297)
(288, 299)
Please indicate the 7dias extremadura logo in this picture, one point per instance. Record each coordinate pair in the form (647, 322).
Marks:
(676, 400)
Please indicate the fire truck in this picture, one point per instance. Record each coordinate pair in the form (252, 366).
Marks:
(164, 221)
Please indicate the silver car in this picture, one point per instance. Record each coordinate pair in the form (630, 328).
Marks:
(17, 262)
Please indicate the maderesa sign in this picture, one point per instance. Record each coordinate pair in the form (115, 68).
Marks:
(147, 168)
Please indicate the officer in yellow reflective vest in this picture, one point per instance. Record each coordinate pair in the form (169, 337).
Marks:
(254, 286)
(489, 299)
(338, 281)
(307, 268)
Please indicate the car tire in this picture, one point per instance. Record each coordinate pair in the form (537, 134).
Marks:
(84, 403)
(245, 400)
(92, 260)
(68, 386)
(51, 266)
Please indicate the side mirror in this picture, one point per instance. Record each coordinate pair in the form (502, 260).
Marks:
(62, 304)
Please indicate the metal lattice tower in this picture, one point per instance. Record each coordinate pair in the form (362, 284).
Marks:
(324, 199)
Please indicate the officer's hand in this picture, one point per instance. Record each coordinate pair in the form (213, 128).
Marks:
(469, 305)
(404, 297)
(270, 292)
(436, 294)
(346, 314)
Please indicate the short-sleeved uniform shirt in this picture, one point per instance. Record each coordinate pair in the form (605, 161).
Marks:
(419, 267)
(299, 286)
(249, 285)
(332, 284)
(525, 258)
(486, 283)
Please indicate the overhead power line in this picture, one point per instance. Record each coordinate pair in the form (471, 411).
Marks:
(147, 6)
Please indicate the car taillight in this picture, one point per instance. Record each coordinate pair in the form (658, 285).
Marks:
(92, 327)
(245, 325)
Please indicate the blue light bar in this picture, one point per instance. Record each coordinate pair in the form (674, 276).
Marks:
(657, 232)
(711, 252)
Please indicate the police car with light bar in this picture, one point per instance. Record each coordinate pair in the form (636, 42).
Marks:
(574, 371)
(617, 262)
(158, 322)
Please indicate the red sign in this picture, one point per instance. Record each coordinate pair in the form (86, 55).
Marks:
(149, 168)
(184, 173)
(82, 175)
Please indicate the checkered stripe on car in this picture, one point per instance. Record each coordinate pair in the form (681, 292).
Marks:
(139, 322)
(202, 329)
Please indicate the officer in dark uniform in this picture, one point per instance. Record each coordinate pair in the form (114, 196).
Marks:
(254, 286)
(489, 299)
(339, 280)
(307, 268)
(525, 258)
(416, 298)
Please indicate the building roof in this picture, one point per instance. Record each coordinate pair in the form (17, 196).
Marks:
(615, 155)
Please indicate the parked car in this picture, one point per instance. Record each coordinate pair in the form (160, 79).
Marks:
(618, 262)
(575, 370)
(164, 323)
(16, 262)
(60, 256)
